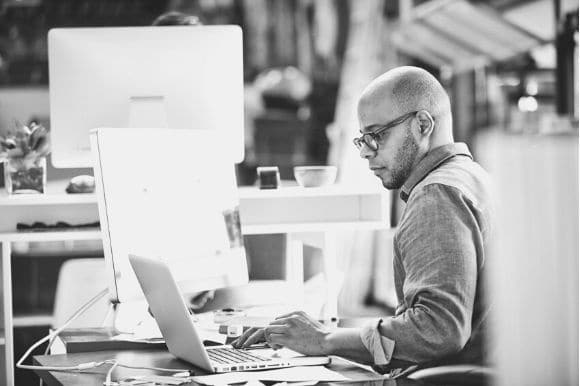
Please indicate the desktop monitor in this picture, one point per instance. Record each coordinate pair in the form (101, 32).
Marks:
(177, 77)
(168, 194)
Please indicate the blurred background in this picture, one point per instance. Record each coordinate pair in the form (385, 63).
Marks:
(509, 66)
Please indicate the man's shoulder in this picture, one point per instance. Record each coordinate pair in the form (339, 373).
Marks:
(462, 175)
(455, 187)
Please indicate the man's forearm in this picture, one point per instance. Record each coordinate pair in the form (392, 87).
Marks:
(347, 343)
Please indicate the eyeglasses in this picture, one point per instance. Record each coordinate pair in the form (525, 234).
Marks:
(371, 139)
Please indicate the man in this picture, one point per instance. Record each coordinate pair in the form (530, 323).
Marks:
(440, 246)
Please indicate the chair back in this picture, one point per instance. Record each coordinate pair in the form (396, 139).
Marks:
(80, 280)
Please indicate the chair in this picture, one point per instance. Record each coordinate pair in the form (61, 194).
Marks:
(455, 375)
(80, 280)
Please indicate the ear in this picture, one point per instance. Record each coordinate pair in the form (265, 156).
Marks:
(426, 123)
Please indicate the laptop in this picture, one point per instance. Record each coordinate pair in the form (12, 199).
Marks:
(182, 338)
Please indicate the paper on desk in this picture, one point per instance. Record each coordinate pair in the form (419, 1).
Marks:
(151, 380)
(288, 374)
(301, 383)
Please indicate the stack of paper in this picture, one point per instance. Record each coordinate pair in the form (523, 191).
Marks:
(290, 374)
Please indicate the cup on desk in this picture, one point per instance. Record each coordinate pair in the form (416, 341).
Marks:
(222, 317)
(315, 176)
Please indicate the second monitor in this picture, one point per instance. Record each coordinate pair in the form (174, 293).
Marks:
(179, 77)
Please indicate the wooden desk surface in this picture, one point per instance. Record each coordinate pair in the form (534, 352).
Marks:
(162, 358)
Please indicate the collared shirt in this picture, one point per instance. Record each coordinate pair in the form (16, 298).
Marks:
(440, 250)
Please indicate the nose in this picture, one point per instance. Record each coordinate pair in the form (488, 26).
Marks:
(366, 152)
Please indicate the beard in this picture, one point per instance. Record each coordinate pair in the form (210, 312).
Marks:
(404, 160)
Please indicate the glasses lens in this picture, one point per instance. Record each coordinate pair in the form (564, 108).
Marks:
(367, 140)
(370, 142)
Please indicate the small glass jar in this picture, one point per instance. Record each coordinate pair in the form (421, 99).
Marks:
(22, 175)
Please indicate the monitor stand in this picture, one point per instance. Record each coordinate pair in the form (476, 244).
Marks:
(148, 111)
(126, 316)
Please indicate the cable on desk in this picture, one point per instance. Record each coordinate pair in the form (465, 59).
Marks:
(109, 373)
(54, 334)
(108, 381)
(88, 365)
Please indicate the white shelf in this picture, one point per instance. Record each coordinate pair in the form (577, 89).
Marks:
(312, 227)
(55, 195)
(75, 235)
(252, 192)
(51, 236)
(46, 199)
(33, 320)
(266, 211)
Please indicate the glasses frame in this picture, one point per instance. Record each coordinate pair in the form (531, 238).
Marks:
(371, 139)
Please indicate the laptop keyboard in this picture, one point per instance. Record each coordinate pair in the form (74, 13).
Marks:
(226, 355)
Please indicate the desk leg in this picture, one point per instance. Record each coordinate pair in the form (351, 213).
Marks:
(327, 242)
(331, 275)
(295, 266)
(7, 312)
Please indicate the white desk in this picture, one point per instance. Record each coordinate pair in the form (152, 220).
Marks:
(308, 216)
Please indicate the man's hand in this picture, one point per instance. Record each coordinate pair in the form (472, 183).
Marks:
(296, 331)
(249, 337)
(299, 332)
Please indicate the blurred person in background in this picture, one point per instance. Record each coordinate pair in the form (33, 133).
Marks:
(440, 245)
(176, 18)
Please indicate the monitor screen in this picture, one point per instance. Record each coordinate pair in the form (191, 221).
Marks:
(177, 77)
(167, 194)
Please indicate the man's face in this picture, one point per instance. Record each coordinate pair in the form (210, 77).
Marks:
(394, 160)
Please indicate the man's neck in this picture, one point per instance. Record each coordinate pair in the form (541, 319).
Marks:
(442, 135)
(437, 141)
(433, 144)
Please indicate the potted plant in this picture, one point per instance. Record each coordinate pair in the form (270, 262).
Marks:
(23, 151)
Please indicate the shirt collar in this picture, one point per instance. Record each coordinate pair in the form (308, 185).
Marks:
(430, 162)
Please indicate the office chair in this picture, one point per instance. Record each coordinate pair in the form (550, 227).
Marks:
(455, 375)
(78, 281)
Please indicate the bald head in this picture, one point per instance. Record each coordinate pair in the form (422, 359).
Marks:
(406, 89)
